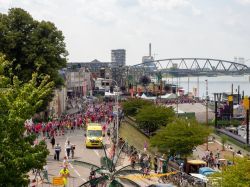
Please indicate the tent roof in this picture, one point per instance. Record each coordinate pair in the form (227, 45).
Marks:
(145, 97)
(199, 176)
(169, 96)
(206, 171)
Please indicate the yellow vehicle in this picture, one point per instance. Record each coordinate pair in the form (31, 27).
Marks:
(94, 135)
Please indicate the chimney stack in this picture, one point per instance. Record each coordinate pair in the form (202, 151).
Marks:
(150, 49)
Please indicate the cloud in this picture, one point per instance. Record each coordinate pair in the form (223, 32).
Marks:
(4, 5)
(196, 11)
(127, 3)
(164, 4)
(174, 27)
(244, 2)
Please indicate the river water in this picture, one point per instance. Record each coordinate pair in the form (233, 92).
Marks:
(215, 84)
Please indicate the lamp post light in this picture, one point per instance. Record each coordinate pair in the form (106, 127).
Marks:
(215, 109)
(207, 108)
(117, 115)
(246, 103)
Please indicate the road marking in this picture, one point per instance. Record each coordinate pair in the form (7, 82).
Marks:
(96, 152)
(70, 163)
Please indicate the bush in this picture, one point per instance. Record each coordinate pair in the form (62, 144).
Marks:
(132, 106)
(151, 117)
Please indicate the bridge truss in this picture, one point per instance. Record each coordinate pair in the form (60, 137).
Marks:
(192, 67)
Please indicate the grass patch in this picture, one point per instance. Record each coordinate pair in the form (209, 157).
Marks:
(133, 136)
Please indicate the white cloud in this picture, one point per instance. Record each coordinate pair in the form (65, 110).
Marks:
(176, 28)
(164, 4)
(196, 11)
(244, 2)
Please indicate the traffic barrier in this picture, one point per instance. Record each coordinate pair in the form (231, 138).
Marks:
(57, 181)
(133, 177)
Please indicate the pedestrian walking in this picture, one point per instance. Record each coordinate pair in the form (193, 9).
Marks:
(64, 173)
(57, 152)
(45, 173)
(65, 162)
(53, 141)
(68, 148)
(145, 146)
(155, 164)
(73, 147)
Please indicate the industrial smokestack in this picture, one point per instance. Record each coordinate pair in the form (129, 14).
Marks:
(150, 49)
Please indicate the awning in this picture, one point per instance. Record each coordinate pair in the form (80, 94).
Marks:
(199, 176)
(206, 171)
(196, 162)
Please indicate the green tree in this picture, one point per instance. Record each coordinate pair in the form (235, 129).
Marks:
(237, 175)
(145, 80)
(167, 88)
(180, 137)
(19, 102)
(32, 46)
(110, 174)
(150, 118)
(132, 106)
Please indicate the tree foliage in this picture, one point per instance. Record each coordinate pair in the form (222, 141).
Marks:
(132, 106)
(110, 173)
(145, 80)
(235, 175)
(167, 88)
(150, 118)
(32, 46)
(180, 137)
(19, 102)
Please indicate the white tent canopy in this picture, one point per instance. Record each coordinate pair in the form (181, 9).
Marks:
(169, 96)
(112, 94)
(145, 97)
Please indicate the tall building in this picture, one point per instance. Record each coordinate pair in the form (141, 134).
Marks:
(97, 68)
(118, 57)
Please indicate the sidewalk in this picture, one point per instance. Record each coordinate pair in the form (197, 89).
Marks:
(230, 149)
(124, 161)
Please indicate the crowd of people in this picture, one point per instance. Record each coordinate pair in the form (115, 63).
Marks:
(92, 113)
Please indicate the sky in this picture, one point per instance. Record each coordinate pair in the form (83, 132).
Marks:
(176, 28)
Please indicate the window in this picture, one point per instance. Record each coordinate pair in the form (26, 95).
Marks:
(94, 133)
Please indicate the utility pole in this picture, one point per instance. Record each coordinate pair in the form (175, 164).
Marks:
(207, 108)
(246, 104)
(198, 87)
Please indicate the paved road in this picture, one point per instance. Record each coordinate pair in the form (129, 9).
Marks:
(80, 174)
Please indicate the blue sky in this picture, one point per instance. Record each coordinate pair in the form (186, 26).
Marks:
(176, 28)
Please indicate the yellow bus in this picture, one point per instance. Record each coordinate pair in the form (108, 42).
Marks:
(94, 136)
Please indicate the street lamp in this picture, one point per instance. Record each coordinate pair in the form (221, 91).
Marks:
(207, 107)
(117, 115)
(246, 104)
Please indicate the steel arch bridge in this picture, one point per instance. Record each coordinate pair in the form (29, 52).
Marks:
(192, 67)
